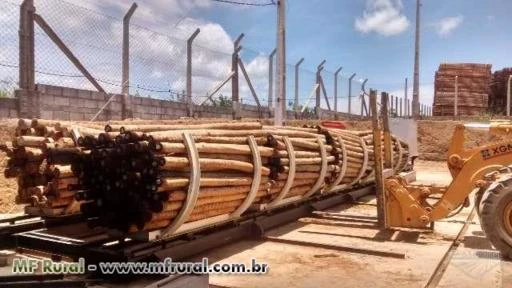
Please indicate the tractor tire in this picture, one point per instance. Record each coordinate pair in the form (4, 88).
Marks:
(496, 216)
(478, 199)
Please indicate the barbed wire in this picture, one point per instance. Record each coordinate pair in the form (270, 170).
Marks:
(271, 3)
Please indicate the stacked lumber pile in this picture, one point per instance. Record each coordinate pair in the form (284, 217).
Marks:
(139, 177)
(499, 86)
(473, 89)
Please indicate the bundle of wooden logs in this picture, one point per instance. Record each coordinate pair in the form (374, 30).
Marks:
(499, 89)
(145, 177)
(473, 81)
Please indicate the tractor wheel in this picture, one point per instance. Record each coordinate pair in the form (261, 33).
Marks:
(496, 216)
(478, 199)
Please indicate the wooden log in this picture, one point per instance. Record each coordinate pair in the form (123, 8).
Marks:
(173, 183)
(307, 161)
(169, 127)
(211, 165)
(302, 175)
(212, 148)
(30, 141)
(172, 136)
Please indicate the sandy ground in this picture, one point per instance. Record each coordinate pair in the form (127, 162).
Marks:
(354, 226)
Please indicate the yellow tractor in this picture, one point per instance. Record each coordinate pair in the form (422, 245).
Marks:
(484, 169)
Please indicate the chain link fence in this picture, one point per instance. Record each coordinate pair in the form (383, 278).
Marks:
(158, 61)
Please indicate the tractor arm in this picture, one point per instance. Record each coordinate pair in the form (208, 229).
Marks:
(486, 159)
(407, 206)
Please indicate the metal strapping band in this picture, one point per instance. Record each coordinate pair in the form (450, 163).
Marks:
(365, 162)
(256, 179)
(291, 173)
(323, 170)
(193, 187)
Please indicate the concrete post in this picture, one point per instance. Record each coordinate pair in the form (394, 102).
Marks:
(271, 81)
(296, 100)
(127, 111)
(234, 80)
(318, 109)
(336, 92)
(26, 44)
(350, 94)
(508, 95)
(190, 105)
(456, 100)
(406, 111)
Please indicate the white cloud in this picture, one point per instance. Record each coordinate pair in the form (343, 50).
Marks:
(384, 17)
(447, 25)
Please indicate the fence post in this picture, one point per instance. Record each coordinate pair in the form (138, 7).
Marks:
(508, 95)
(190, 105)
(271, 81)
(26, 42)
(296, 100)
(28, 104)
(406, 111)
(336, 92)
(125, 90)
(234, 80)
(363, 101)
(350, 94)
(401, 107)
(456, 100)
(318, 109)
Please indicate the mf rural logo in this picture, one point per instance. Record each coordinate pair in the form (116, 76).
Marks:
(496, 151)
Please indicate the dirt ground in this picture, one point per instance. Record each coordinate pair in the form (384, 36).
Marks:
(433, 140)
(8, 187)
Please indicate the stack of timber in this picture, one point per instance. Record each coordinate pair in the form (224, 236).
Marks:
(45, 182)
(150, 176)
(473, 89)
(499, 88)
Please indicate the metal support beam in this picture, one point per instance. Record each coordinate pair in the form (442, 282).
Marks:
(26, 46)
(296, 100)
(235, 97)
(190, 105)
(49, 31)
(350, 94)
(336, 92)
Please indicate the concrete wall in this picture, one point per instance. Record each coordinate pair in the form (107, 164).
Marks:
(8, 108)
(63, 103)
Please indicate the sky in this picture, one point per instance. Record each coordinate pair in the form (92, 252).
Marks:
(373, 38)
